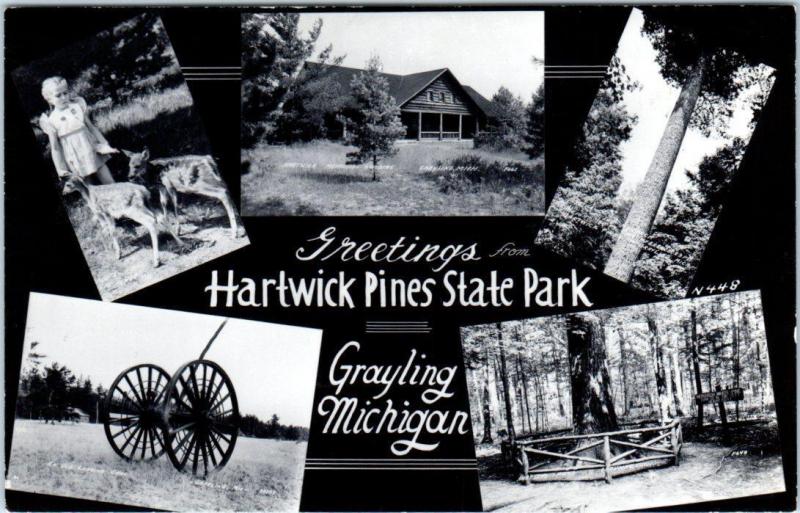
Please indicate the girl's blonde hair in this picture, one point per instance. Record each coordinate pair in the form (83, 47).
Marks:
(50, 85)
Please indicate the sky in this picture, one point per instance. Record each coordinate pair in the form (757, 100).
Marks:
(273, 367)
(483, 49)
(653, 104)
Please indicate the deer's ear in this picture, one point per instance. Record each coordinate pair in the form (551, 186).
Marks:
(146, 153)
(128, 153)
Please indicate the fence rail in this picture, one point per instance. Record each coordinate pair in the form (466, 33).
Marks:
(439, 135)
(619, 448)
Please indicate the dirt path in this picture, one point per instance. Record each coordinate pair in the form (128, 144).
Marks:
(695, 480)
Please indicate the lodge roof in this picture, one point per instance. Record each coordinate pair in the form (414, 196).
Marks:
(405, 87)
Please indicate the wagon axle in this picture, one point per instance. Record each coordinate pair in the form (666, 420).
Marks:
(192, 415)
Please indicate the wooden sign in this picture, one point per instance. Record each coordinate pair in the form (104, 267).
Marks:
(729, 394)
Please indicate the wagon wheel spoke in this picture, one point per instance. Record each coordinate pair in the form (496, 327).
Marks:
(139, 400)
(127, 401)
(213, 437)
(196, 457)
(186, 391)
(122, 431)
(183, 441)
(211, 392)
(152, 442)
(120, 420)
(129, 438)
(224, 436)
(219, 402)
(145, 432)
(135, 445)
(211, 449)
(188, 450)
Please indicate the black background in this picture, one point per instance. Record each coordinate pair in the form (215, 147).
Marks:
(753, 240)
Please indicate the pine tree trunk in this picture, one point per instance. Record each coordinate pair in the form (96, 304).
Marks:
(504, 377)
(487, 415)
(592, 404)
(524, 388)
(698, 382)
(657, 353)
(623, 371)
(677, 384)
(557, 367)
(648, 197)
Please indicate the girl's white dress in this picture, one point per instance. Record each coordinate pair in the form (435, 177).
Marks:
(77, 142)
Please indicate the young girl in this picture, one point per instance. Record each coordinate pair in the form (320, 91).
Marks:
(76, 145)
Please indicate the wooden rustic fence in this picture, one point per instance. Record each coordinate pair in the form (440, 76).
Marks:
(610, 451)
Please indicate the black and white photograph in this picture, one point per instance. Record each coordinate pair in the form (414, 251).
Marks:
(627, 408)
(162, 409)
(657, 154)
(393, 113)
(115, 120)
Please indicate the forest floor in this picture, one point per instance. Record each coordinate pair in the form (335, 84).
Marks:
(315, 179)
(205, 231)
(706, 472)
(76, 460)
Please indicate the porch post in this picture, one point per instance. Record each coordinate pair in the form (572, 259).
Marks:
(477, 126)
(459, 126)
(441, 118)
(419, 126)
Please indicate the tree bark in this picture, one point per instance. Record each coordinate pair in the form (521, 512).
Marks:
(677, 384)
(665, 405)
(623, 370)
(698, 382)
(504, 377)
(640, 219)
(487, 416)
(524, 378)
(592, 403)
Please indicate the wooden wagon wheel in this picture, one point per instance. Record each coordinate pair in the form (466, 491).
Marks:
(132, 412)
(201, 418)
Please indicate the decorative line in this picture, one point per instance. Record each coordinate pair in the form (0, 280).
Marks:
(211, 67)
(575, 76)
(571, 72)
(397, 332)
(473, 469)
(390, 464)
(392, 459)
(389, 327)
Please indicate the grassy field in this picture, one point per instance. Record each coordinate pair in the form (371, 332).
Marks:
(706, 472)
(314, 179)
(76, 460)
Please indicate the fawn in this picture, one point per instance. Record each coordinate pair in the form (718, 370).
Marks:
(190, 174)
(116, 201)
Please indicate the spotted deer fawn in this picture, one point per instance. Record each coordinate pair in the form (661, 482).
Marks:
(190, 174)
(111, 202)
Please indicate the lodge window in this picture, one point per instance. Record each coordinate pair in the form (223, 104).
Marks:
(431, 96)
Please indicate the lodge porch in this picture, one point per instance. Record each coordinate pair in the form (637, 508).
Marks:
(439, 126)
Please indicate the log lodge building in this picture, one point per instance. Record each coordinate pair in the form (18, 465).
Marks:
(434, 105)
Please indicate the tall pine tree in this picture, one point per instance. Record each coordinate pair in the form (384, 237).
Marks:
(376, 124)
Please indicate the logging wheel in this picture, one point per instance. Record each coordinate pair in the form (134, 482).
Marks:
(132, 412)
(201, 418)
